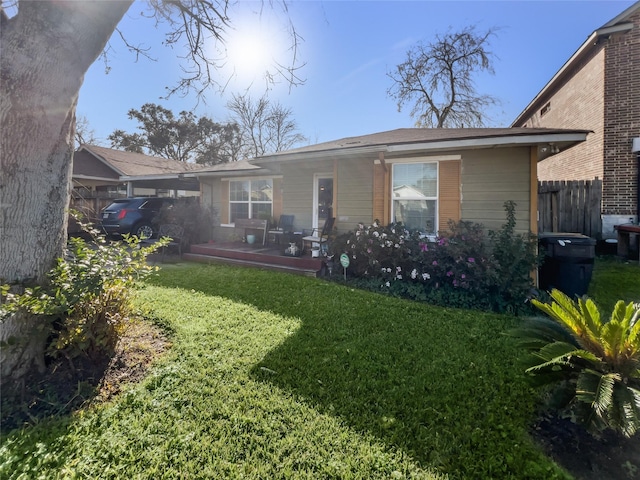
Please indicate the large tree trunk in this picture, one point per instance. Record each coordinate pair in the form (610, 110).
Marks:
(46, 50)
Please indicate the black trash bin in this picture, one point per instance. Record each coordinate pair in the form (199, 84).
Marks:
(568, 262)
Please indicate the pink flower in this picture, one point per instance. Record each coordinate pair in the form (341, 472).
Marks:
(434, 263)
(471, 260)
(449, 273)
(424, 247)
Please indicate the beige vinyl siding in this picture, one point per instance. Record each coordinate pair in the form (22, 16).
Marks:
(212, 192)
(355, 193)
(297, 190)
(490, 178)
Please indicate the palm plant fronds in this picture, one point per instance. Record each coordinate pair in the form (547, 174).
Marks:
(599, 360)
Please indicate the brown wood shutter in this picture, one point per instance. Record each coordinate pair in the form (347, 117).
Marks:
(379, 194)
(449, 193)
(224, 202)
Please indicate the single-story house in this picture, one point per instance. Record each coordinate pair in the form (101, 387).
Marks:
(422, 177)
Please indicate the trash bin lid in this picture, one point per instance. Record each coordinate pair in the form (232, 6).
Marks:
(565, 238)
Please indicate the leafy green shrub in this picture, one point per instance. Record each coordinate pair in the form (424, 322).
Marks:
(88, 294)
(459, 268)
(593, 365)
(514, 257)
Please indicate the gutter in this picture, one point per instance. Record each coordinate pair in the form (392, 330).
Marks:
(165, 176)
(492, 142)
(453, 144)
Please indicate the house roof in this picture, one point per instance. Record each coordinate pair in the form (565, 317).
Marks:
(108, 165)
(135, 164)
(225, 169)
(616, 25)
(407, 140)
(88, 166)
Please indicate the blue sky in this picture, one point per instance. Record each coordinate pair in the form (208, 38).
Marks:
(348, 48)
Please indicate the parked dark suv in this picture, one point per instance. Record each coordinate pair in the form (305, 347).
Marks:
(132, 215)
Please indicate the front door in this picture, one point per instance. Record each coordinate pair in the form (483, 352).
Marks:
(322, 198)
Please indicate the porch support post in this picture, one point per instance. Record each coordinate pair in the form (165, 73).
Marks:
(387, 190)
(382, 162)
(335, 188)
(533, 193)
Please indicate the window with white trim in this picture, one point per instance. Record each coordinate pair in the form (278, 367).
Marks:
(250, 198)
(415, 196)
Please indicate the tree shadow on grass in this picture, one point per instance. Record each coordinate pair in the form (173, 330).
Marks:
(441, 384)
(392, 377)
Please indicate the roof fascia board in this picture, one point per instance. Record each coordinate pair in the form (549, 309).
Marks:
(168, 176)
(224, 173)
(229, 173)
(100, 179)
(102, 159)
(623, 27)
(248, 177)
(425, 158)
(491, 142)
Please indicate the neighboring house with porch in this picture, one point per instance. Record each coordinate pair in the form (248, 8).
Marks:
(101, 174)
(598, 89)
(116, 172)
(423, 177)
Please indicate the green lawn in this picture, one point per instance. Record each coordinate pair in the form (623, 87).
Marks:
(279, 376)
(614, 280)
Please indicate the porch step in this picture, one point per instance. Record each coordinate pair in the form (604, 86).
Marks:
(269, 258)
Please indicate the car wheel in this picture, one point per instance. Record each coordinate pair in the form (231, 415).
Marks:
(143, 230)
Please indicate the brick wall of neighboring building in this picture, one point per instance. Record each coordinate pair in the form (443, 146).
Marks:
(622, 121)
(578, 102)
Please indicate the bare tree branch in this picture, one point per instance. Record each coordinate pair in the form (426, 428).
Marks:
(265, 128)
(436, 79)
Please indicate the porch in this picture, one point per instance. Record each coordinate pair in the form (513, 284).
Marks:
(268, 257)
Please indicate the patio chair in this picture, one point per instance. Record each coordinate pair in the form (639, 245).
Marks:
(319, 236)
(285, 226)
(174, 232)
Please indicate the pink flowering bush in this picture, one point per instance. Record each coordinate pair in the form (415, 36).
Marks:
(462, 267)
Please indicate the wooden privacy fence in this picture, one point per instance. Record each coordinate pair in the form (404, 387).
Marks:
(570, 206)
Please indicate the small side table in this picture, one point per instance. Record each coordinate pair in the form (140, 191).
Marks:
(624, 233)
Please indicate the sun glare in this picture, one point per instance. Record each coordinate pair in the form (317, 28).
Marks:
(254, 49)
